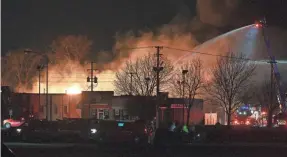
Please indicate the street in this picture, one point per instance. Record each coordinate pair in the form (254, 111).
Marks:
(198, 150)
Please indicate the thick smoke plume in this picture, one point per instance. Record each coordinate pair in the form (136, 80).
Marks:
(213, 18)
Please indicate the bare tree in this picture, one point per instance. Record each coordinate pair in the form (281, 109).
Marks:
(75, 48)
(191, 81)
(69, 53)
(263, 96)
(20, 69)
(139, 78)
(6, 75)
(231, 78)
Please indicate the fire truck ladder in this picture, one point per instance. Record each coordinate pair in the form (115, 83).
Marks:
(277, 78)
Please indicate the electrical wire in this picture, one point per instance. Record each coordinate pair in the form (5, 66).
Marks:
(209, 54)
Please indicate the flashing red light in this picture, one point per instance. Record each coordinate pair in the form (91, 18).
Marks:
(258, 24)
(247, 122)
(235, 122)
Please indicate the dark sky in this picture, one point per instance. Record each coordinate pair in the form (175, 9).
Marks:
(35, 23)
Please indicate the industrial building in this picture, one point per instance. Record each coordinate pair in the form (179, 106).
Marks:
(104, 105)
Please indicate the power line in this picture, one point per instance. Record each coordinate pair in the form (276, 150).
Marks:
(72, 82)
(209, 54)
(131, 48)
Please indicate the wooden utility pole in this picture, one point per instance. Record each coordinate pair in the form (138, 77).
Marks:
(183, 93)
(157, 69)
(93, 80)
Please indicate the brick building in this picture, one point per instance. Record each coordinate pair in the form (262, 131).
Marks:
(104, 105)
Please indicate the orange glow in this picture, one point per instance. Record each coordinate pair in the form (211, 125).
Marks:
(74, 90)
(71, 78)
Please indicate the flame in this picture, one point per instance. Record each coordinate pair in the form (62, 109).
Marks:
(75, 89)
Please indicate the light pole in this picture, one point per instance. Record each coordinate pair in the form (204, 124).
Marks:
(62, 107)
(69, 107)
(182, 91)
(39, 68)
(47, 81)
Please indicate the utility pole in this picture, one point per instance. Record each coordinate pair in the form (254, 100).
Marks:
(157, 69)
(131, 83)
(181, 89)
(183, 93)
(93, 79)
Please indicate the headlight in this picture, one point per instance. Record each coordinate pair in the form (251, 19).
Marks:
(93, 131)
(18, 130)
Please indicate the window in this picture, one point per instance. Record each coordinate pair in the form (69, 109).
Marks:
(117, 112)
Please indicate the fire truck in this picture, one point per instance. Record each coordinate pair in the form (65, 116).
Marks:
(245, 115)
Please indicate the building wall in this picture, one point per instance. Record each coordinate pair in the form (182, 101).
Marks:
(63, 106)
(116, 107)
(21, 106)
(179, 113)
(97, 104)
(5, 101)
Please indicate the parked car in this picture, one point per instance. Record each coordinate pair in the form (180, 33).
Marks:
(118, 132)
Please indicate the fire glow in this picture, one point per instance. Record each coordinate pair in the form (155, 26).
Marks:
(75, 89)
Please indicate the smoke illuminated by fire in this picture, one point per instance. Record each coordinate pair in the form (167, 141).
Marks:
(71, 78)
(70, 74)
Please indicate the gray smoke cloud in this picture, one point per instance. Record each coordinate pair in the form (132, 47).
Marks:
(218, 13)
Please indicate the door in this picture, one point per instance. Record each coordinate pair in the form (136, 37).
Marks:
(101, 114)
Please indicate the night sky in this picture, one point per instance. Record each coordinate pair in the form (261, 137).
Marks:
(35, 23)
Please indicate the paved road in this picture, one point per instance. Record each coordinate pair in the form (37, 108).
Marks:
(197, 150)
